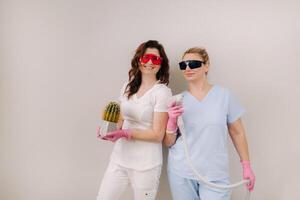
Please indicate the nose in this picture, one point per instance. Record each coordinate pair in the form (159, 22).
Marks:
(150, 62)
(187, 67)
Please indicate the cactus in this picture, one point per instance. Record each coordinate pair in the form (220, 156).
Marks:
(112, 112)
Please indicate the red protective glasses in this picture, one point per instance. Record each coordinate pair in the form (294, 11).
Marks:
(156, 60)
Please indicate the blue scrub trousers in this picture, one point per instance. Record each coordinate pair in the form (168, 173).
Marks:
(189, 189)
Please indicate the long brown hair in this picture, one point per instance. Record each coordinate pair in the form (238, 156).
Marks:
(135, 75)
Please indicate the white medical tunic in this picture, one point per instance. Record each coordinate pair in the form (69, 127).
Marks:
(206, 131)
(138, 114)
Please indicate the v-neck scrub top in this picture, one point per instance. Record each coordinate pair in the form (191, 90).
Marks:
(206, 131)
(137, 113)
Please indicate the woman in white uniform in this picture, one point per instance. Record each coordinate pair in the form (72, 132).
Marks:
(136, 159)
(209, 113)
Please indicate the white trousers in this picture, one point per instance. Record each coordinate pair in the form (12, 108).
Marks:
(117, 178)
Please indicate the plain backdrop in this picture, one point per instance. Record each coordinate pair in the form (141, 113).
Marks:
(63, 61)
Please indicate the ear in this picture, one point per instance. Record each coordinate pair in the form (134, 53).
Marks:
(206, 67)
(139, 62)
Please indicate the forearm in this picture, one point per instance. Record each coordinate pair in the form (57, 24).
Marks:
(169, 139)
(238, 136)
(149, 135)
(240, 142)
(155, 133)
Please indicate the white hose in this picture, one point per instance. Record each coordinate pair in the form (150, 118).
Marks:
(200, 178)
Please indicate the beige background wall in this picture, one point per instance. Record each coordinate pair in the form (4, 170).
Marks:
(62, 61)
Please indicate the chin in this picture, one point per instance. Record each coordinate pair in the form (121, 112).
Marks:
(190, 78)
(148, 72)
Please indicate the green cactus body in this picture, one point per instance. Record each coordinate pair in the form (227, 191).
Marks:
(112, 112)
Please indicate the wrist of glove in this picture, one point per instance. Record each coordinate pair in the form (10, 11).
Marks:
(172, 125)
(174, 111)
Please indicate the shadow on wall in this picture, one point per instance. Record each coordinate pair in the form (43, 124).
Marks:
(177, 81)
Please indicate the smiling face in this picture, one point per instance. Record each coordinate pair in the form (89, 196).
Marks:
(197, 73)
(149, 67)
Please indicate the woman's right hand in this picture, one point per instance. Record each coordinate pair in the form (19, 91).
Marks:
(174, 111)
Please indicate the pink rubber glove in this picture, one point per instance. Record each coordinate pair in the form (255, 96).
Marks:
(248, 174)
(115, 135)
(173, 112)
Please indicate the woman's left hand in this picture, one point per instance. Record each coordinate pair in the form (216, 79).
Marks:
(115, 135)
(248, 174)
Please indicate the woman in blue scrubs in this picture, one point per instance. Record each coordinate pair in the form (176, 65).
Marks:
(209, 113)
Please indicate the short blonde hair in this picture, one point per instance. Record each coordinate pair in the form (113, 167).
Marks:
(200, 51)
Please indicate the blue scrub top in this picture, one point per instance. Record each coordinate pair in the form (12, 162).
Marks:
(206, 130)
